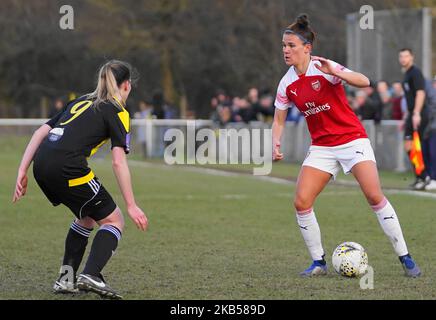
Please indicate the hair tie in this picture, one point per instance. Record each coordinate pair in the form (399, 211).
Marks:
(305, 41)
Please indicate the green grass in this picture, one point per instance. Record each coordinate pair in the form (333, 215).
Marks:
(213, 237)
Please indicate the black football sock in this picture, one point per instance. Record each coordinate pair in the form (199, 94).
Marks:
(103, 246)
(75, 246)
(322, 261)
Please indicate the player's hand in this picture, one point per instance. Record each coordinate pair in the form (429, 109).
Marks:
(416, 120)
(138, 217)
(277, 155)
(20, 186)
(325, 66)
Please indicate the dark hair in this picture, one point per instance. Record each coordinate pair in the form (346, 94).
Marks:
(110, 76)
(121, 70)
(407, 49)
(301, 28)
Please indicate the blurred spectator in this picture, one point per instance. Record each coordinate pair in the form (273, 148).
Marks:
(162, 110)
(145, 112)
(223, 98)
(371, 109)
(225, 116)
(294, 115)
(265, 111)
(235, 104)
(158, 106)
(386, 100)
(246, 109)
(253, 96)
(398, 102)
(57, 107)
(358, 101)
(170, 111)
(214, 109)
(243, 110)
(253, 99)
(351, 94)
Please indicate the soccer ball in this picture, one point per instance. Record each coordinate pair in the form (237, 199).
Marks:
(350, 259)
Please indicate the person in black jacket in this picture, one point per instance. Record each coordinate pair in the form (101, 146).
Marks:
(417, 118)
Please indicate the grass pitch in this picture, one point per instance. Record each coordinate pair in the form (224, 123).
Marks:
(214, 237)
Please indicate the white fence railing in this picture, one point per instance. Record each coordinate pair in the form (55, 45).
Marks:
(148, 137)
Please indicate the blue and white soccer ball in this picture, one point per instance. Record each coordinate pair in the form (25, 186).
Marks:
(350, 259)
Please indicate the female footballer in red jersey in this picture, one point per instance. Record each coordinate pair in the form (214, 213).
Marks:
(314, 86)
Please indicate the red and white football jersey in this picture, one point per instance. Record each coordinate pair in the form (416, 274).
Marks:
(322, 100)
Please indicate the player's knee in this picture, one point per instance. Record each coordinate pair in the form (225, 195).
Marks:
(374, 198)
(302, 203)
(115, 219)
(86, 222)
(120, 220)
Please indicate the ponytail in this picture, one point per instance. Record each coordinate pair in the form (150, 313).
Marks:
(111, 75)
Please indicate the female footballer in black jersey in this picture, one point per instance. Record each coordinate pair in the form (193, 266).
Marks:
(59, 150)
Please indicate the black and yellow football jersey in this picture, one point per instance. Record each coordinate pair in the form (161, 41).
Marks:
(60, 164)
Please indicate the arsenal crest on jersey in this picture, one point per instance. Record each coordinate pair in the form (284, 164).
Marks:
(316, 85)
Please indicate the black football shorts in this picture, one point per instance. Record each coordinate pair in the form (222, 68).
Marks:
(89, 199)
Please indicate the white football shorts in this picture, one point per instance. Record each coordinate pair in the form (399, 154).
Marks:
(331, 159)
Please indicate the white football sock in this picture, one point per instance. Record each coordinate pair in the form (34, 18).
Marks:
(311, 233)
(391, 226)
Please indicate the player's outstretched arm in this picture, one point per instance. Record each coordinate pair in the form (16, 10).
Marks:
(355, 79)
(32, 147)
(277, 131)
(122, 173)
